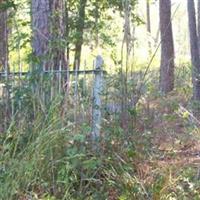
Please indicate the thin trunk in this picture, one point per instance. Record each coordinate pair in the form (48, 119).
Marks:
(96, 23)
(67, 29)
(57, 34)
(3, 41)
(167, 48)
(148, 24)
(194, 48)
(198, 24)
(156, 39)
(79, 30)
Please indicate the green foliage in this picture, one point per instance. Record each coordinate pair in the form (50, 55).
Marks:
(7, 4)
(43, 155)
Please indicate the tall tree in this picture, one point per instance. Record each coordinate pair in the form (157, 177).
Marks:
(48, 32)
(194, 48)
(58, 33)
(80, 24)
(40, 29)
(3, 38)
(167, 48)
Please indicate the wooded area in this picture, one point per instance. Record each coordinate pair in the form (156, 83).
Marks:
(99, 99)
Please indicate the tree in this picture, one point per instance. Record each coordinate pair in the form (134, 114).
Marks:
(40, 31)
(148, 13)
(3, 38)
(57, 31)
(80, 24)
(194, 48)
(198, 25)
(167, 48)
(67, 28)
(48, 33)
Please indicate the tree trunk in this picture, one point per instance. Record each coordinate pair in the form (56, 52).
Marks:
(194, 48)
(167, 48)
(79, 31)
(148, 24)
(96, 23)
(48, 33)
(57, 34)
(198, 25)
(3, 41)
(67, 26)
(40, 32)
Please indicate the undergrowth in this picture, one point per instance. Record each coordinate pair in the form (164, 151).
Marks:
(46, 158)
(45, 155)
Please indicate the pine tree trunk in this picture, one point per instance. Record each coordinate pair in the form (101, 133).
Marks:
(3, 41)
(48, 33)
(194, 50)
(167, 48)
(40, 31)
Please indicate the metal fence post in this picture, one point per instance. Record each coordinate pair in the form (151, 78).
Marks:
(96, 107)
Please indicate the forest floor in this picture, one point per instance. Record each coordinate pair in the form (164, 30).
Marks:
(176, 137)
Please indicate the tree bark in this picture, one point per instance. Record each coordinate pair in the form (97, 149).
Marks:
(79, 31)
(58, 34)
(48, 33)
(3, 41)
(40, 32)
(167, 48)
(194, 48)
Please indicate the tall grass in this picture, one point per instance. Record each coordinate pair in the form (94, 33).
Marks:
(45, 155)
